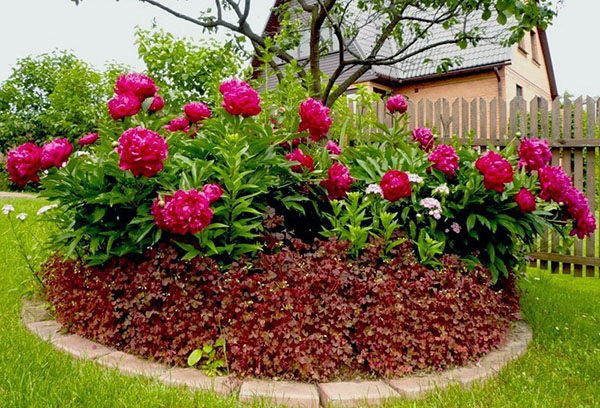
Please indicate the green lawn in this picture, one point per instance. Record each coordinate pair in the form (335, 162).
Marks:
(561, 368)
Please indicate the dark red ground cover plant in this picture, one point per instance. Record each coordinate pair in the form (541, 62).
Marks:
(298, 311)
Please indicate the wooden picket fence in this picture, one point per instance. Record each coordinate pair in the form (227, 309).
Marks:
(572, 130)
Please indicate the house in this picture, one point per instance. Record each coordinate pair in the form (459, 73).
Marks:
(487, 71)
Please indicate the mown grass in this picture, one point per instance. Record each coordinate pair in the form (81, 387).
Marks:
(561, 368)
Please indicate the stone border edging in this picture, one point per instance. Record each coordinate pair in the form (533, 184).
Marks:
(294, 394)
(12, 194)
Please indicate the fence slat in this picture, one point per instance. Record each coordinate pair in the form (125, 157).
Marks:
(411, 111)
(421, 113)
(522, 116)
(445, 118)
(483, 131)
(555, 267)
(544, 247)
(533, 117)
(578, 172)
(502, 118)
(428, 113)
(494, 119)
(474, 115)
(437, 119)
(465, 117)
(513, 117)
(590, 244)
(567, 160)
(456, 117)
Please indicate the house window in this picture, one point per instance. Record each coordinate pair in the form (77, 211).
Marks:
(519, 91)
(522, 46)
(534, 47)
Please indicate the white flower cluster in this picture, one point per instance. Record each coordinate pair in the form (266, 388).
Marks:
(442, 189)
(414, 178)
(7, 209)
(46, 208)
(434, 206)
(374, 189)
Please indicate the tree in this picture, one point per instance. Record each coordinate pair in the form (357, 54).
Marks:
(402, 23)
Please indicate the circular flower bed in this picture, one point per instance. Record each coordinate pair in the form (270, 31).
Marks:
(266, 240)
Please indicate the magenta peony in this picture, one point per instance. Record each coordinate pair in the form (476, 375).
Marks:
(534, 154)
(305, 161)
(181, 123)
(425, 138)
(56, 153)
(184, 212)
(157, 104)
(88, 139)
(584, 223)
(314, 118)
(554, 183)
(526, 200)
(333, 147)
(397, 103)
(239, 98)
(23, 164)
(124, 105)
(395, 185)
(496, 171)
(444, 159)
(197, 111)
(212, 192)
(339, 182)
(135, 84)
(142, 151)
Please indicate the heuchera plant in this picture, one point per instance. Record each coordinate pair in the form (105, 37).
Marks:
(143, 180)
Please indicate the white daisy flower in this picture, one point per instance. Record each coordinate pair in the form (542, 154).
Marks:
(7, 209)
(21, 216)
(46, 208)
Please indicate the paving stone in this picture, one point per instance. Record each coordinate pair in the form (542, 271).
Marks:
(34, 311)
(416, 387)
(46, 330)
(290, 394)
(79, 347)
(131, 365)
(468, 375)
(355, 394)
(196, 379)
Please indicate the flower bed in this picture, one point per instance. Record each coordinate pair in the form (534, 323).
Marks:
(275, 242)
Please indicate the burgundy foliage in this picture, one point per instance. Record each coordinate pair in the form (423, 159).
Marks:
(297, 311)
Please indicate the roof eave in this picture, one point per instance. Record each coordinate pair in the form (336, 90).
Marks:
(548, 61)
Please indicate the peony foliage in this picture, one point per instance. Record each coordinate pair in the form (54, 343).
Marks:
(208, 179)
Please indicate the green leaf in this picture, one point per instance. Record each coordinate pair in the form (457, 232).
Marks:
(194, 357)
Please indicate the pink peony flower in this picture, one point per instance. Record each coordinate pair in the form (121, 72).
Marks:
(56, 153)
(157, 104)
(526, 200)
(197, 111)
(397, 103)
(305, 161)
(534, 154)
(142, 151)
(339, 182)
(135, 84)
(496, 171)
(395, 185)
(23, 163)
(554, 183)
(124, 105)
(212, 192)
(425, 138)
(584, 223)
(333, 147)
(314, 118)
(444, 159)
(88, 139)
(178, 124)
(184, 212)
(239, 98)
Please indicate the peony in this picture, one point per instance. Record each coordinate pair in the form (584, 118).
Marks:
(88, 139)
(212, 192)
(526, 200)
(55, 153)
(157, 104)
(305, 161)
(496, 171)
(444, 159)
(239, 98)
(135, 84)
(395, 185)
(534, 154)
(397, 103)
(314, 118)
(181, 123)
(142, 151)
(197, 111)
(333, 147)
(425, 138)
(23, 164)
(554, 183)
(184, 212)
(584, 223)
(124, 105)
(339, 182)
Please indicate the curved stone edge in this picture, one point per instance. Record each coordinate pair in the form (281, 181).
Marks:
(292, 394)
